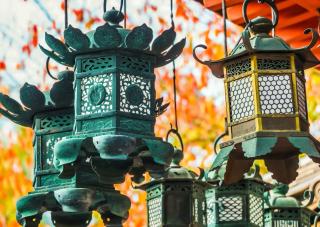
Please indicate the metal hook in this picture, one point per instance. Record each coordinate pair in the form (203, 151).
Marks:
(175, 132)
(48, 69)
(105, 2)
(270, 3)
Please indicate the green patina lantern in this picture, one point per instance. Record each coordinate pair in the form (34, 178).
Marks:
(267, 115)
(285, 211)
(115, 111)
(238, 204)
(177, 199)
(51, 115)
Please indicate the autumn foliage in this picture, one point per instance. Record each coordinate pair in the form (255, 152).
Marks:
(200, 101)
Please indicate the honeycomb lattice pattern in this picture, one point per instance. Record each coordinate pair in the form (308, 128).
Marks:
(135, 94)
(241, 99)
(230, 209)
(136, 64)
(273, 64)
(96, 64)
(275, 94)
(239, 67)
(50, 122)
(155, 212)
(86, 84)
(302, 98)
(256, 210)
(211, 210)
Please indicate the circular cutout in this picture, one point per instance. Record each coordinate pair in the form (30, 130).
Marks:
(96, 94)
(134, 95)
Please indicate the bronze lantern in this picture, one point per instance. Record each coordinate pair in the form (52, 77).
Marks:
(266, 101)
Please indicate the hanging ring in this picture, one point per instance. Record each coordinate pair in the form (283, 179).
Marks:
(48, 69)
(175, 132)
(271, 3)
(105, 3)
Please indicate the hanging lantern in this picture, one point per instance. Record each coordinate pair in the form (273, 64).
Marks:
(176, 199)
(282, 210)
(115, 113)
(266, 101)
(51, 116)
(239, 204)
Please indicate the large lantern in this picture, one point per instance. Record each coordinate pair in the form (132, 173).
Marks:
(266, 101)
(96, 124)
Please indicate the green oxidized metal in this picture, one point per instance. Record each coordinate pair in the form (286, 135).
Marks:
(282, 210)
(115, 111)
(266, 102)
(177, 199)
(239, 204)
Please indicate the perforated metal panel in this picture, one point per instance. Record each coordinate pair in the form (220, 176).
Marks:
(50, 122)
(96, 94)
(241, 99)
(230, 208)
(273, 64)
(285, 223)
(97, 64)
(155, 212)
(211, 206)
(275, 94)
(239, 67)
(256, 210)
(135, 64)
(302, 98)
(135, 94)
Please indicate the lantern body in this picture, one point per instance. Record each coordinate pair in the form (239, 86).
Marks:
(50, 127)
(176, 203)
(287, 217)
(115, 93)
(240, 204)
(265, 93)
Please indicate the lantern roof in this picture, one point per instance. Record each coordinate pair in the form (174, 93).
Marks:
(276, 198)
(256, 39)
(112, 36)
(34, 101)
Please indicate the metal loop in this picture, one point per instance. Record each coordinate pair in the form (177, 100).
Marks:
(270, 3)
(105, 3)
(48, 69)
(175, 132)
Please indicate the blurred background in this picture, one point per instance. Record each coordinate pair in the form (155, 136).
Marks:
(201, 108)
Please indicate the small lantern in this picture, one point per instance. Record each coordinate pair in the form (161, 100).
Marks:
(239, 204)
(282, 210)
(266, 101)
(177, 199)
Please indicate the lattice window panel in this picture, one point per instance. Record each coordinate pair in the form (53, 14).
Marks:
(136, 64)
(239, 67)
(142, 88)
(86, 83)
(256, 210)
(230, 209)
(59, 121)
(286, 223)
(302, 98)
(273, 64)
(155, 212)
(241, 99)
(96, 64)
(275, 94)
(211, 206)
(47, 153)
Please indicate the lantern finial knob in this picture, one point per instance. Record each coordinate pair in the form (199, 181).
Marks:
(113, 16)
(261, 25)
